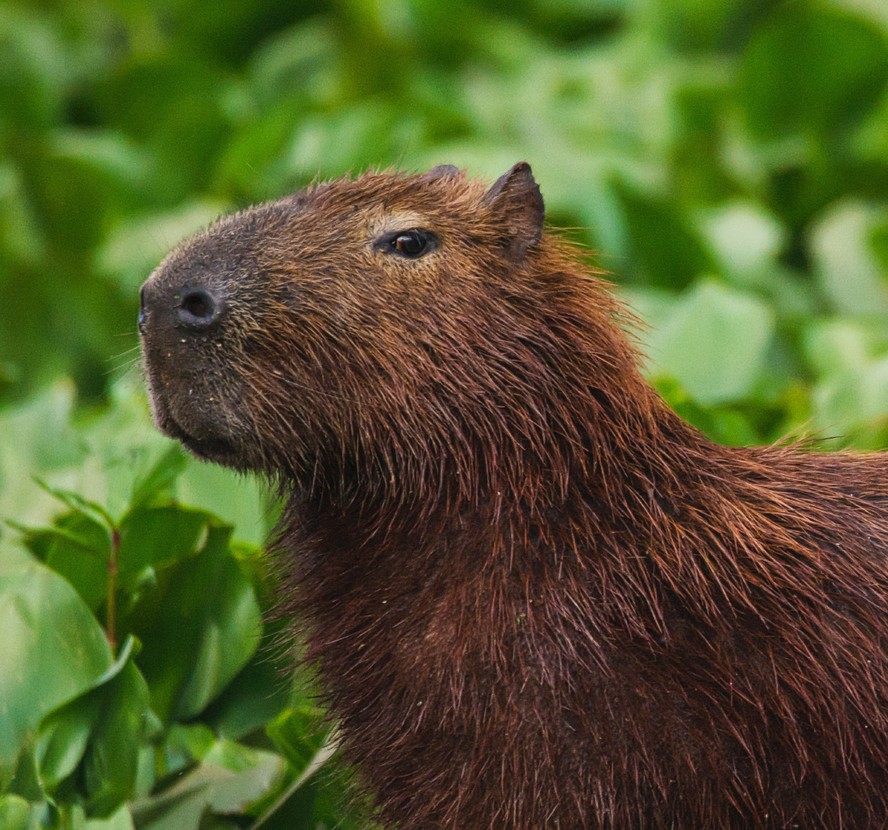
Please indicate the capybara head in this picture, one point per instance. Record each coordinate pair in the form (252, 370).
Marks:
(339, 330)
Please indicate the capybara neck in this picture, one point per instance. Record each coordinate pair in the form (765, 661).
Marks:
(535, 596)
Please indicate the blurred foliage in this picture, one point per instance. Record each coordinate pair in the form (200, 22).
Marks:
(727, 159)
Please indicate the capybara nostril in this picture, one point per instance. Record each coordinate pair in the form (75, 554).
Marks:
(198, 308)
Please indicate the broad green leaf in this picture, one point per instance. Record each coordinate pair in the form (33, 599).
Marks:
(156, 537)
(256, 772)
(185, 745)
(171, 101)
(695, 25)
(62, 740)
(665, 248)
(20, 236)
(83, 179)
(254, 163)
(64, 736)
(230, 779)
(838, 347)
(120, 820)
(845, 261)
(258, 694)
(812, 69)
(242, 500)
(52, 650)
(874, 10)
(714, 343)
(350, 139)
(297, 809)
(32, 72)
(91, 509)
(111, 761)
(745, 238)
(44, 440)
(298, 734)
(107, 154)
(159, 479)
(14, 812)
(295, 61)
(76, 818)
(199, 629)
(78, 548)
(851, 396)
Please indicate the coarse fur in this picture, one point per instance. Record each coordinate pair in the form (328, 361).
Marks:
(536, 597)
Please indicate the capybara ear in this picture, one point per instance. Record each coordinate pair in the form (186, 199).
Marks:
(515, 200)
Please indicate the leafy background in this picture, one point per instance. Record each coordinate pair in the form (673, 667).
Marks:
(726, 160)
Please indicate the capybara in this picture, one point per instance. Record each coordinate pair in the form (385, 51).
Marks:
(535, 596)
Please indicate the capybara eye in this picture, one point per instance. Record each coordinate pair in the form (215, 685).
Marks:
(410, 244)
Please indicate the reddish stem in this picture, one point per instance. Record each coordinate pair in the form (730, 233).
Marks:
(111, 611)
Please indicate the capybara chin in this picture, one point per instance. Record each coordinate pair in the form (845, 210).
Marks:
(535, 596)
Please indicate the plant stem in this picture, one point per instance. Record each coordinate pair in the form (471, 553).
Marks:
(111, 610)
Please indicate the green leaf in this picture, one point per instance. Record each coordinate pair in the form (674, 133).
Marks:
(346, 139)
(258, 694)
(230, 779)
(714, 343)
(32, 72)
(256, 772)
(20, 236)
(120, 820)
(78, 548)
(106, 154)
(298, 808)
(91, 509)
(811, 69)
(52, 650)
(157, 537)
(296, 61)
(242, 500)
(14, 812)
(44, 440)
(170, 100)
(666, 249)
(745, 238)
(850, 397)
(110, 764)
(82, 179)
(199, 629)
(158, 480)
(846, 262)
(93, 726)
(838, 347)
(185, 745)
(299, 734)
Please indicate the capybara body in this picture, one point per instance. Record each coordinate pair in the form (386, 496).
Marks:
(535, 596)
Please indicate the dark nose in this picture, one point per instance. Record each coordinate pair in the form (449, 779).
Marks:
(198, 308)
(195, 308)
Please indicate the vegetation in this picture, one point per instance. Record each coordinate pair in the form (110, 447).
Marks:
(728, 159)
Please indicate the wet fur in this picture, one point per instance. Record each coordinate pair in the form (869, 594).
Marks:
(536, 597)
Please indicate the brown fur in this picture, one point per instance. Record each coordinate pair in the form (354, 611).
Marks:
(537, 597)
